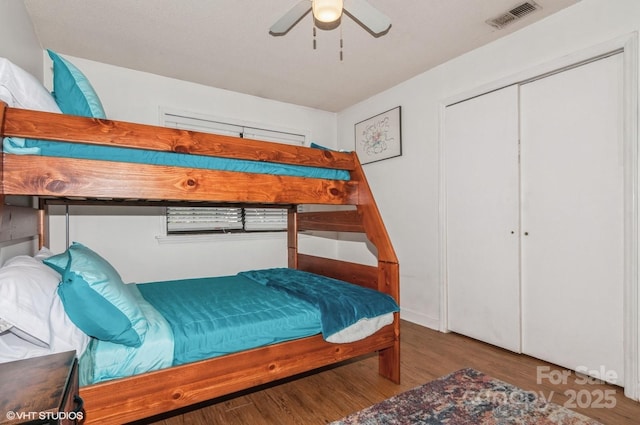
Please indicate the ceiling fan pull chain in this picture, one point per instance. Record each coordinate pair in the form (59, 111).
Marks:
(314, 36)
(341, 43)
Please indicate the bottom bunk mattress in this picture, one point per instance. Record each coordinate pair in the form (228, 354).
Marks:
(194, 319)
(214, 316)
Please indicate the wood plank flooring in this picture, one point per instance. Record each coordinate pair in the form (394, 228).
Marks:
(321, 397)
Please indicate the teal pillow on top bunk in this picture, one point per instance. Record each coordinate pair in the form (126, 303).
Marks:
(72, 91)
(96, 299)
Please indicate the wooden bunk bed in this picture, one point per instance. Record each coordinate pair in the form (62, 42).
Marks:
(141, 396)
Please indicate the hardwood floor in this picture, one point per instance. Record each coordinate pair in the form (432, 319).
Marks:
(330, 394)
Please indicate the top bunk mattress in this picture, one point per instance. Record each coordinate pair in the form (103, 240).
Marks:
(20, 146)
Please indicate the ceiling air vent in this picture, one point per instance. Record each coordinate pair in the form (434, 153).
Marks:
(514, 14)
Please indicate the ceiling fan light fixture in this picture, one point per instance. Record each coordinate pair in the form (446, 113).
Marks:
(327, 10)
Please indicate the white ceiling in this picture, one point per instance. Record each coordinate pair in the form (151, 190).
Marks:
(226, 43)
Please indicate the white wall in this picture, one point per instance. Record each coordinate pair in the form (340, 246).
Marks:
(407, 187)
(18, 41)
(129, 239)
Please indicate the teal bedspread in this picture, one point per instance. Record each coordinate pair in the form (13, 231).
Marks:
(140, 156)
(214, 316)
(341, 304)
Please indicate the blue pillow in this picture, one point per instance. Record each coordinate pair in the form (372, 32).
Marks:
(72, 91)
(96, 299)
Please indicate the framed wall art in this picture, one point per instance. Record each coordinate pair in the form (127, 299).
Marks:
(379, 137)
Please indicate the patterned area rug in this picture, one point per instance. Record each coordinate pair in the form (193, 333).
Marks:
(466, 397)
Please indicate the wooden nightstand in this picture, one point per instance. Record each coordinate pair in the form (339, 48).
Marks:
(41, 390)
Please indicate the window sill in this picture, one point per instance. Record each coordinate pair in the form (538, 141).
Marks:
(219, 237)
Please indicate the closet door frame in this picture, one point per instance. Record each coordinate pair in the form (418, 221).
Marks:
(628, 46)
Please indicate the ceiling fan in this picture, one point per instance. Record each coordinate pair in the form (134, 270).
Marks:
(328, 12)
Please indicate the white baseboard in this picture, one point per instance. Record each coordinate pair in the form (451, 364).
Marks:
(420, 319)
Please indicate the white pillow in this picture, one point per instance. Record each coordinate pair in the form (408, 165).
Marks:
(22, 90)
(27, 291)
(4, 325)
(65, 335)
(5, 96)
(30, 305)
(13, 348)
(43, 254)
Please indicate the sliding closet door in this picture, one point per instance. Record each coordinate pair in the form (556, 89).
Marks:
(572, 217)
(482, 213)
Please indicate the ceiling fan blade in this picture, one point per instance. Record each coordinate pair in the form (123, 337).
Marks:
(376, 22)
(289, 19)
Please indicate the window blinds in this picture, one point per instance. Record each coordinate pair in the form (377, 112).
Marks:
(203, 219)
(260, 219)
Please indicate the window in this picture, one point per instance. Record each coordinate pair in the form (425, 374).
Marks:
(221, 219)
(203, 219)
(261, 219)
(197, 220)
(219, 126)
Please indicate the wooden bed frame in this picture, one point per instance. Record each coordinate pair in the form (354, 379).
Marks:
(153, 393)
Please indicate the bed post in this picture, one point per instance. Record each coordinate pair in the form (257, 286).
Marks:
(292, 237)
(43, 231)
(389, 358)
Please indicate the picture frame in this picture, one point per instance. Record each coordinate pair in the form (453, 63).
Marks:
(379, 137)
